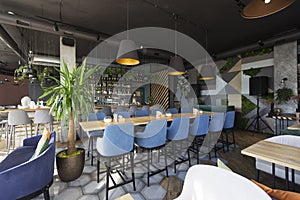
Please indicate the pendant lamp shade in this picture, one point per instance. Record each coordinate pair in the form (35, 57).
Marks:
(176, 63)
(261, 8)
(127, 54)
(208, 72)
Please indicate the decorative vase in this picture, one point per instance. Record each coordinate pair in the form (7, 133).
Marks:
(70, 168)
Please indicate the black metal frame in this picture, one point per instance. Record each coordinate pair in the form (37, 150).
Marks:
(257, 119)
(179, 160)
(109, 171)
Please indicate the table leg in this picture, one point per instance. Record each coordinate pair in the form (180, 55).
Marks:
(293, 179)
(287, 178)
(273, 174)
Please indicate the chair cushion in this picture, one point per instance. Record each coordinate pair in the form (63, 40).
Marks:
(18, 156)
(43, 144)
(278, 194)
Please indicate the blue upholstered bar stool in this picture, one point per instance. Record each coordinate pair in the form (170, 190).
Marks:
(198, 129)
(100, 115)
(228, 127)
(92, 135)
(153, 138)
(172, 110)
(132, 110)
(177, 134)
(117, 141)
(141, 113)
(215, 128)
(124, 114)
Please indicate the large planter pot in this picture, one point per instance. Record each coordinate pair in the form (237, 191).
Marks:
(71, 167)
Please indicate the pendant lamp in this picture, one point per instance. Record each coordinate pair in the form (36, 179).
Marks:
(208, 72)
(262, 8)
(176, 61)
(127, 53)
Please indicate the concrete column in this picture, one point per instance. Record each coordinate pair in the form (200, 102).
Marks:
(285, 66)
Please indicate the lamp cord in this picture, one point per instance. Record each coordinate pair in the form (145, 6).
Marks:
(127, 19)
(206, 45)
(175, 33)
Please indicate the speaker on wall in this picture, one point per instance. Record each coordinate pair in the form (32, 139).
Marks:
(68, 41)
(258, 85)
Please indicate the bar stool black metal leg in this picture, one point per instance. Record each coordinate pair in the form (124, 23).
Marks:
(287, 178)
(273, 174)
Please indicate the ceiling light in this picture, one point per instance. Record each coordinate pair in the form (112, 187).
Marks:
(267, 1)
(208, 72)
(127, 53)
(261, 8)
(11, 12)
(176, 63)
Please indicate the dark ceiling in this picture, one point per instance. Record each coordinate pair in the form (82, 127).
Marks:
(227, 30)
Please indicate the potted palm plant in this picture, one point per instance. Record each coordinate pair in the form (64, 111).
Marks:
(69, 97)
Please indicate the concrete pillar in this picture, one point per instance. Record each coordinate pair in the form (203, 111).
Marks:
(285, 66)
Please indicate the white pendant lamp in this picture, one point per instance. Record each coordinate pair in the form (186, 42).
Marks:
(176, 61)
(127, 53)
(262, 8)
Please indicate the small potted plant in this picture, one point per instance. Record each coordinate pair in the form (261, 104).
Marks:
(283, 95)
(69, 97)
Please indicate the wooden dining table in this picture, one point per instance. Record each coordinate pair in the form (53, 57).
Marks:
(275, 153)
(101, 125)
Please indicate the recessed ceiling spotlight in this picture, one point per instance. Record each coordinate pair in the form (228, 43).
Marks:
(11, 12)
(267, 1)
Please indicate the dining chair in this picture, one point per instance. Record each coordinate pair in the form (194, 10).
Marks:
(100, 115)
(117, 141)
(141, 113)
(153, 138)
(197, 130)
(92, 135)
(177, 134)
(42, 117)
(229, 128)
(172, 110)
(107, 111)
(17, 118)
(124, 114)
(132, 110)
(121, 109)
(185, 109)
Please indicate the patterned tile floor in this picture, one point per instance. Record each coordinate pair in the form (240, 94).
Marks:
(87, 188)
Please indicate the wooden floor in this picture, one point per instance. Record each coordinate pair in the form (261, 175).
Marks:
(239, 163)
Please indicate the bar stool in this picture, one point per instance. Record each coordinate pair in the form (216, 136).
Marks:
(153, 138)
(92, 135)
(177, 134)
(141, 113)
(198, 129)
(172, 110)
(228, 128)
(16, 118)
(117, 141)
(43, 117)
(132, 110)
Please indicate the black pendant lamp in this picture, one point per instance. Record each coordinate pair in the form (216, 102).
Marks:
(127, 53)
(176, 61)
(262, 8)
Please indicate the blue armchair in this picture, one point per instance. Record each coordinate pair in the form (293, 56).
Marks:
(22, 177)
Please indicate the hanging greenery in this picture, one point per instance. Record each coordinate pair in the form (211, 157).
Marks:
(252, 71)
(257, 52)
(283, 95)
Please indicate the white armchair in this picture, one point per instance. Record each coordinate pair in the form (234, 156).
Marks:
(265, 166)
(204, 182)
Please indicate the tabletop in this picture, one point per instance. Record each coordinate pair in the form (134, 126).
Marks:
(280, 154)
(100, 124)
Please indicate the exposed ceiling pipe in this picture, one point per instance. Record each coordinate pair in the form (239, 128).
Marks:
(283, 38)
(53, 28)
(9, 41)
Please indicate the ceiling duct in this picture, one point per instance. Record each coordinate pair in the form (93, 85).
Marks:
(50, 61)
(46, 26)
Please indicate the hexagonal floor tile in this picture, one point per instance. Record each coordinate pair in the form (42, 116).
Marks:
(93, 187)
(159, 191)
(81, 181)
(69, 193)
